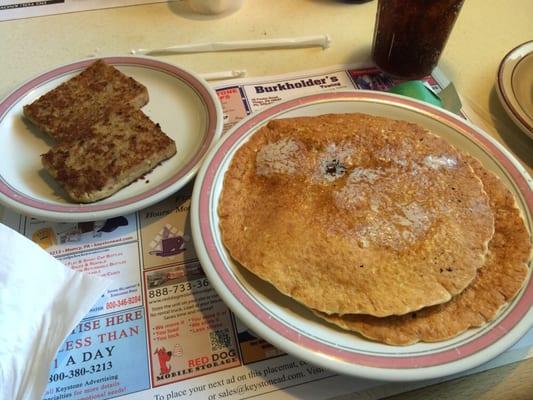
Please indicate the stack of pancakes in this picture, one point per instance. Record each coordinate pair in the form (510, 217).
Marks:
(376, 225)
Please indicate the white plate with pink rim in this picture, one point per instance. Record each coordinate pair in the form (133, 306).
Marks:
(514, 86)
(183, 104)
(293, 328)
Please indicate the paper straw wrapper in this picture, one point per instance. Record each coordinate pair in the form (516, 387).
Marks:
(282, 43)
(213, 76)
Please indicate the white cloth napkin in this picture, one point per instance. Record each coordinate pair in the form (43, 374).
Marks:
(41, 302)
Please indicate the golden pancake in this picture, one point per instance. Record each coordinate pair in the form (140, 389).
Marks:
(354, 213)
(499, 280)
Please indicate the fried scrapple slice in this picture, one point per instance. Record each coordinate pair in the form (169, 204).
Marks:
(353, 213)
(124, 145)
(500, 279)
(68, 111)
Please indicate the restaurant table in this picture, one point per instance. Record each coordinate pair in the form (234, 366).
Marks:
(484, 32)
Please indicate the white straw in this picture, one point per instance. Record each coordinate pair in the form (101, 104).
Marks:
(212, 76)
(306, 41)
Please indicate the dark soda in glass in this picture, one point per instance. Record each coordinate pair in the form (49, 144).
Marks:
(410, 35)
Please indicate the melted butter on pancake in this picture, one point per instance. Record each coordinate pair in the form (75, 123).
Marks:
(437, 162)
(332, 162)
(382, 221)
(396, 229)
(283, 157)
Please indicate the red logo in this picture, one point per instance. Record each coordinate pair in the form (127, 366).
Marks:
(163, 357)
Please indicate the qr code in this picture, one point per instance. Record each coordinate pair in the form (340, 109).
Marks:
(220, 339)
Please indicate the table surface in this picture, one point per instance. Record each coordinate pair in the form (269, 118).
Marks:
(485, 31)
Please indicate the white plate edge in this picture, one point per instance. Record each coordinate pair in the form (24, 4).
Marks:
(503, 80)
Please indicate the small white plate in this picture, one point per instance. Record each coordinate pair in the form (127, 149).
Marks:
(183, 104)
(515, 86)
(293, 328)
